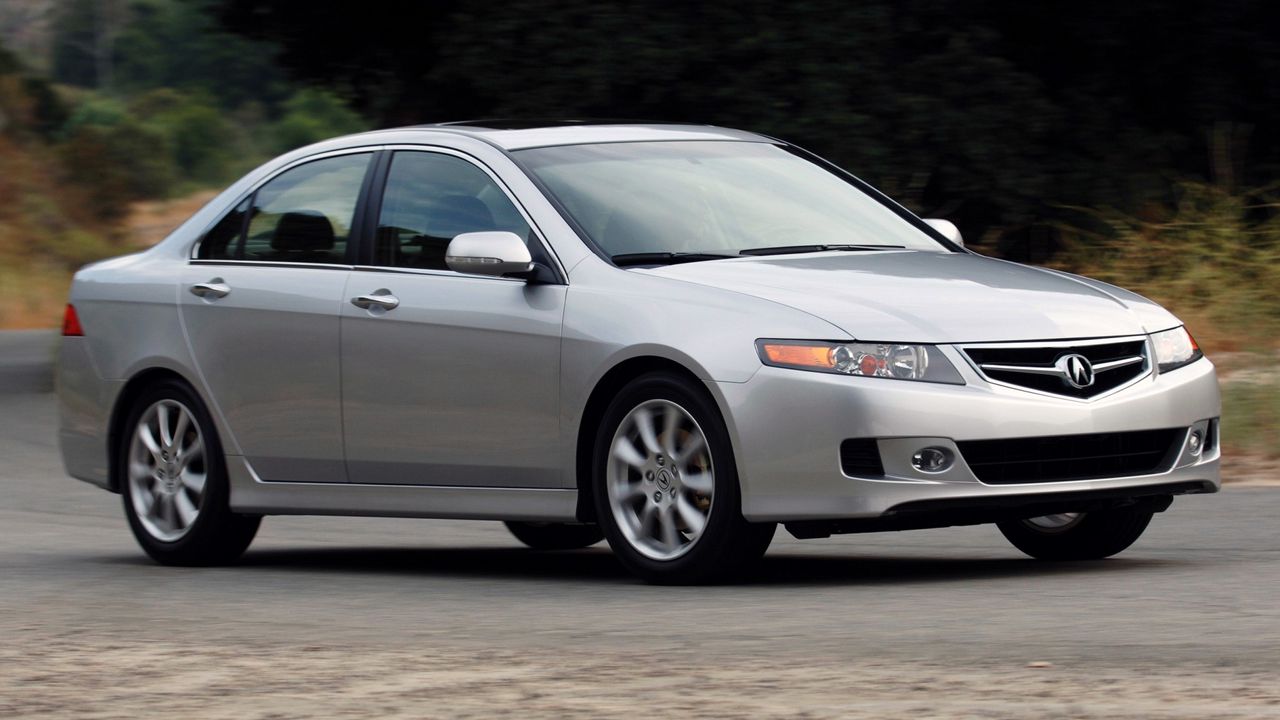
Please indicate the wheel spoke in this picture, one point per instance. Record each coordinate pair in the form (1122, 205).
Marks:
(186, 456)
(649, 436)
(193, 481)
(140, 469)
(162, 420)
(149, 441)
(670, 428)
(701, 482)
(691, 516)
(185, 508)
(670, 536)
(628, 491)
(625, 451)
(647, 518)
(695, 443)
(180, 432)
(147, 500)
(163, 509)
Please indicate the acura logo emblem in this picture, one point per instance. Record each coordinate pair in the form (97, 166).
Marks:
(1076, 370)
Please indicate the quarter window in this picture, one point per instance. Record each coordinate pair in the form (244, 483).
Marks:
(431, 198)
(223, 241)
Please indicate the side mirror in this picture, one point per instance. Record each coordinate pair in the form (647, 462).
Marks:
(489, 253)
(947, 228)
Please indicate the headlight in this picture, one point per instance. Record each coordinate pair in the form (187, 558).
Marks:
(886, 360)
(1175, 348)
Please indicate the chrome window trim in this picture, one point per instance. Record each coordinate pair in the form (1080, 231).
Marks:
(195, 244)
(433, 273)
(558, 265)
(272, 263)
(1147, 367)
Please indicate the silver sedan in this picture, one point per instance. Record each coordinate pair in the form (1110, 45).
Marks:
(674, 337)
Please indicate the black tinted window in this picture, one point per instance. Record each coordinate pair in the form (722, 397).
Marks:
(305, 214)
(431, 198)
(222, 242)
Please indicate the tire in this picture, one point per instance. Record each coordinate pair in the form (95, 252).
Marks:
(160, 481)
(673, 516)
(555, 536)
(1088, 536)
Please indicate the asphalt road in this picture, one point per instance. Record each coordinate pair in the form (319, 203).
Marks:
(386, 618)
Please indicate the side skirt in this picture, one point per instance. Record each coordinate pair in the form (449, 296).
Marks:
(249, 494)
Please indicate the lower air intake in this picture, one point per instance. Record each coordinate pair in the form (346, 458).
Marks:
(861, 458)
(1059, 458)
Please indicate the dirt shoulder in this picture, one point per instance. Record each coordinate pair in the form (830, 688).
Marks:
(73, 678)
(1250, 471)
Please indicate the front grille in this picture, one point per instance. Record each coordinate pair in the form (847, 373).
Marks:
(1037, 365)
(1059, 458)
(861, 458)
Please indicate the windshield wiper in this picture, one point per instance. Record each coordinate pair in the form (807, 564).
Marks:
(664, 258)
(792, 249)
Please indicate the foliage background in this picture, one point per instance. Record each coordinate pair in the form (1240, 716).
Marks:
(1135, 141)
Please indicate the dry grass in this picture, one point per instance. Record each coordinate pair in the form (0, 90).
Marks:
(149, 222)
(45, 234)
(1213, 259)
(32, 296)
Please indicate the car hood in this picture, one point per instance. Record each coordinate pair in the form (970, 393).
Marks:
(932, 297)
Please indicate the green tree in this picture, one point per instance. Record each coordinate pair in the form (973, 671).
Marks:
(311, 115)
(178, 44)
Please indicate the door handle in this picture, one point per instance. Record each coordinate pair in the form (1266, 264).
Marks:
(377, 299)
(215, 288)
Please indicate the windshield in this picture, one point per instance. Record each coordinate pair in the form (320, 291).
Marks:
(711, 199)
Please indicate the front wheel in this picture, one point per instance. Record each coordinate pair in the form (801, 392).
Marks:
(175, 486)
(1077, 536)
(666, 486)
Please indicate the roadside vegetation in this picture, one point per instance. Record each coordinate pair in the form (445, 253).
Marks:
(173, 105)
(119, 117)
(1212, 256)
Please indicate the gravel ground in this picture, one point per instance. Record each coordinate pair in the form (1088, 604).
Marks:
(122, 678)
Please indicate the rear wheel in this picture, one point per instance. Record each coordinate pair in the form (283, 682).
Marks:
(555, 536)
(175, 487)
(1078, 536)
(666, 486)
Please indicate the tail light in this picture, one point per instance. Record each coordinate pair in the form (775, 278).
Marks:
(71, 322)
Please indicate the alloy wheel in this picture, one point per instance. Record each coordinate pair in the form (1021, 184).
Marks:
(660, 480)
(167, 470)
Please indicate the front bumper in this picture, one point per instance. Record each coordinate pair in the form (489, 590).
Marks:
(787, 426)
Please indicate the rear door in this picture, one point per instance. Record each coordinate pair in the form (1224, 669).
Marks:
(455, 380)
(260, 306)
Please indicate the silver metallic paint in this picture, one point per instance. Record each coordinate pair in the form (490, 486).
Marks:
(785, 425)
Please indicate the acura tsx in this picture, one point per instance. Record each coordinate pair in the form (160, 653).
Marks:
(672, 337)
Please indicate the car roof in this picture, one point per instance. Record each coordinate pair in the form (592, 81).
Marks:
(524, 134)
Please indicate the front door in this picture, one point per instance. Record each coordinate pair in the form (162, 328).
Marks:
(449, 379)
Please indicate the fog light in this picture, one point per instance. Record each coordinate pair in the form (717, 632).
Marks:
(1195, 443)
(932, 460)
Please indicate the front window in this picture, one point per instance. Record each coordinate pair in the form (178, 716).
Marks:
(430, 199)
(713, 198)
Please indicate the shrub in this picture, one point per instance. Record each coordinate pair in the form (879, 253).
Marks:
(312, 115)
(96, 111)
(199, 137)
(117, 165)
(1213, 259)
